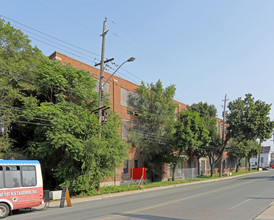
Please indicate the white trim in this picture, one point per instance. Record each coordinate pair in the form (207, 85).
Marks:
(7, 201)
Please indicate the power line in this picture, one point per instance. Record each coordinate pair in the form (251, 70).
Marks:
(50, 36)
(16, 109)
(43, 84)
(60, 48)
(32, 123)
(51, 41)
(85, 58)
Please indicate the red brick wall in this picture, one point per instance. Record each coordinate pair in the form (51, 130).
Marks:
(115, 85)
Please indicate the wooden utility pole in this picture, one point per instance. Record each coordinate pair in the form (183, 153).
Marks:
(223, 138)
(100, 96)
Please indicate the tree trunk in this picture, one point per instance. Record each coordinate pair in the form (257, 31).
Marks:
(238, 164)
(173, 171)
(212, 164)
(221, 167)
(198, 166)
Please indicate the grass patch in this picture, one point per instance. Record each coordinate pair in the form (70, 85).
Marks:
(124, 188)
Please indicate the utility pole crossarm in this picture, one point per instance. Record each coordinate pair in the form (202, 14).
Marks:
(131, 59)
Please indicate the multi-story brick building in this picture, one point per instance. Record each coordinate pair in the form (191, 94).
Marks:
(119, 91)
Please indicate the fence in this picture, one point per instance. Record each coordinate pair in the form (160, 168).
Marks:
(182, 174)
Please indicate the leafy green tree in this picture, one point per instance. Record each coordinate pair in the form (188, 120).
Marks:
(253, 152)
(69, 147)
(214, 149)
(45, 111)
(18, 62)
(249, 119)
(156, 118)
(190, 134)
(240, 150)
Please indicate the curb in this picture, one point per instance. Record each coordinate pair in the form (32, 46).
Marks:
(268, 213)
(56, 204)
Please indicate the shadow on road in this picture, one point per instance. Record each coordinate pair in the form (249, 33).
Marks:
(149, 217)
(270, 178)
(270, 198)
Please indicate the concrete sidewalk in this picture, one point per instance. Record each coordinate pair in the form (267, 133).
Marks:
(266, 214)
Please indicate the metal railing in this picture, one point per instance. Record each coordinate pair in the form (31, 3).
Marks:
(184, 173)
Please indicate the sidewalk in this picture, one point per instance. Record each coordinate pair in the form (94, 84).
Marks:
(266, 214)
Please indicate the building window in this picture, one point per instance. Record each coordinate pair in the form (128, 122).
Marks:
(128, 98)
(136, 164)
(105, 89)
(125, 170)
(125, 130)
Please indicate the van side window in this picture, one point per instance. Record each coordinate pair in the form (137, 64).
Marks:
(1, 178)
(12, 176)
(29, 176)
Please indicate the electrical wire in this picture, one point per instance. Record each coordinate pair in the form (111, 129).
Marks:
(50, 40)
(208, 89)
(85, 58)
(60, 48)
(49, 35)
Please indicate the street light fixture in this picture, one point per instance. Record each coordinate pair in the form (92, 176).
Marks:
(131, 59)
(100, 98)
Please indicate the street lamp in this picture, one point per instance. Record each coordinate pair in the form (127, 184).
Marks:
(131, 59)
(100, 98)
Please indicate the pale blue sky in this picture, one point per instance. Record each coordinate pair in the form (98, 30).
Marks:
(206, 48)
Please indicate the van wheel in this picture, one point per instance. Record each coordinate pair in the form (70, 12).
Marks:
(4, 210)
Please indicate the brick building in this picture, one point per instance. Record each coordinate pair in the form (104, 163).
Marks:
(119, 91)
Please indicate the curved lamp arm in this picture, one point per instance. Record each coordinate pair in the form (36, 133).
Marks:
(131, 59)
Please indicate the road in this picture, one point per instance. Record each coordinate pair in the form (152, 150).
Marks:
(241, 198)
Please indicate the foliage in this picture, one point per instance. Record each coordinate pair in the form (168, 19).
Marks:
(205, 110)
(214, 149)
(190, 134)
(45, 110)
(123, 188)
(18, 62)
(69, 147)
(243, 149)
(156, 118)
(249, 119)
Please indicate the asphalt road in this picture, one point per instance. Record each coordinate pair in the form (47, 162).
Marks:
(242, 197)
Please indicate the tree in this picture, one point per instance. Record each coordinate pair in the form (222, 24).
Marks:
(68, 146)
(249, 119)
(45, 111)
(190, 134)
(18, 62)
(243, 149)
(253, 152)
(153, 132)
(214, 149)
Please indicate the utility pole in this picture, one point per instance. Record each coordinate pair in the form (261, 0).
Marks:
(223, 138)
(100, 98)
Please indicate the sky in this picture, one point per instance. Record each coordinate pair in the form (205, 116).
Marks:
(208, 49)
